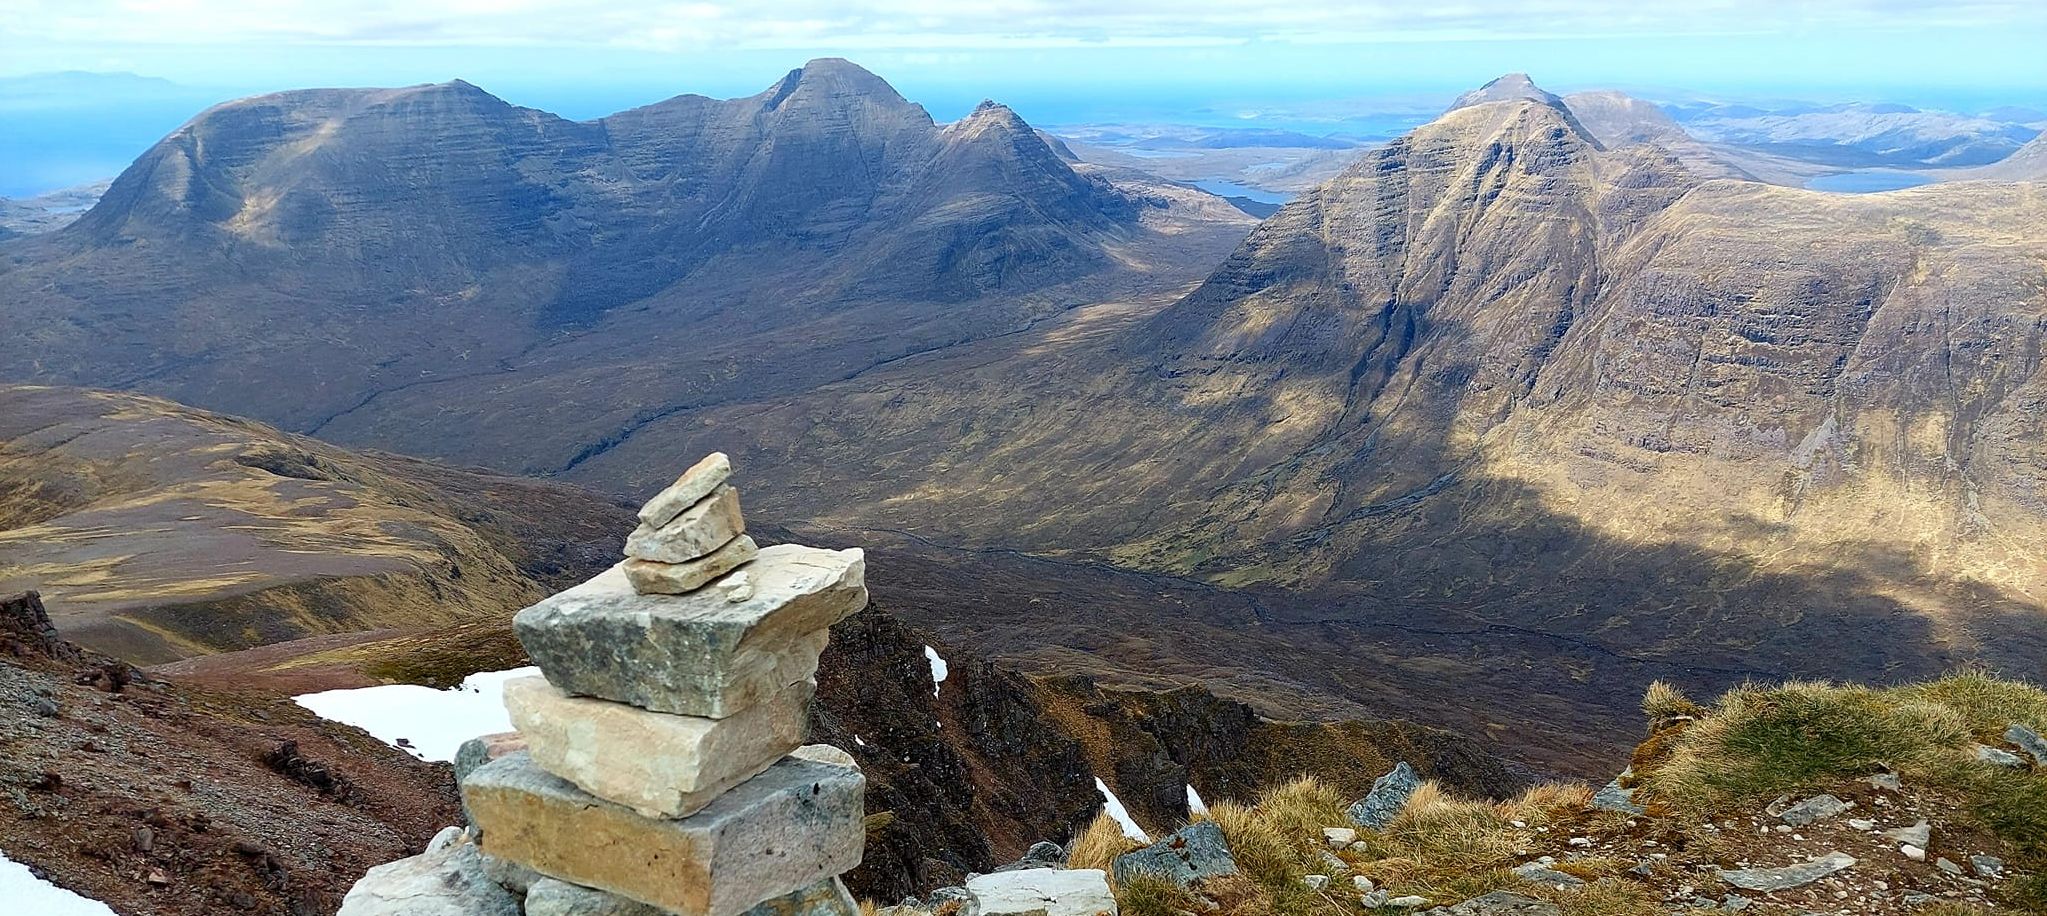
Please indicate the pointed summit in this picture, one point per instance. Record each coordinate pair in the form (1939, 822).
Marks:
(1509, 88)
(832, 80)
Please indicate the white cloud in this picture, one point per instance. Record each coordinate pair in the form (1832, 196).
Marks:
(924, 25)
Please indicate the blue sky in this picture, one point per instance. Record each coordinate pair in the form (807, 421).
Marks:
(1067, 55)
(1358, 68)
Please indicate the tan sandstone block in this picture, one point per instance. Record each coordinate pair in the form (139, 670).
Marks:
(710, 524)
(658, 764)
(798, 823)
(652, 578)
(694, 484)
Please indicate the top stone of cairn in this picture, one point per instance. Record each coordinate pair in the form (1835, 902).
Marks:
(694, 484)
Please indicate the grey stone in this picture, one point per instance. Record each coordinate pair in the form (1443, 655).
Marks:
(1997, 756)
(1339, 837)
(697, 654)
(1813, 809)
(1543, 874)
(1948, 865)
(1612, 797)
(946, 895)
(1408, 902)
(1888, 782)
(1789, 876)
(825, 898)
(687, 490)
(1373, 900)
(1195, 852)
(1498, 903)
(782, 831)
(1316, 882)
(478, 751)
(448, 882)
(1046, 851)
(1920, 834)
(1041, 892)
(700, 529)
(1987, 866)
(510, 875)
(1389, 793)
(2029, 741)
(448, 836)
(1734, 902)
(651, 578)
(549, 897)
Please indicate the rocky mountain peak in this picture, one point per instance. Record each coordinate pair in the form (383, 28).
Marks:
(832, 81)
(1508, 88)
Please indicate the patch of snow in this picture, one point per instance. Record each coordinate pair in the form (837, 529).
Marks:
(856, 740)
(938, 669)
(433, 722)
(1194, 803)
(26, 893)
(1120, 814)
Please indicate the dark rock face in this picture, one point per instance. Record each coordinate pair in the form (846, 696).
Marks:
(26, 630)
(1193, 853)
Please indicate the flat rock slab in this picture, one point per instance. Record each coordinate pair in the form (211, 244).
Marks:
(699, 530)
(1813, 809)
(699, 654)
(652, 578)
(1612, 797)
(1389, 794)
(656, 763)
(560, 898)
(688, 490)
(1543, 874)
(1192, 853)
(1041, 892)
(1499, 903)
(483, 749)
(448, 882)
(1789, 876)
(796, 824)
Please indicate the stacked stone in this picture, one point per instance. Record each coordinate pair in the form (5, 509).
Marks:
(663, 768)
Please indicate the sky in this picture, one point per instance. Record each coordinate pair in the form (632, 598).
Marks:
(1293, 64)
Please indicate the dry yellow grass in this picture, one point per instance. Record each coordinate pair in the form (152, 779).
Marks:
(1098, 844)
(1664, 702)
(1446, 833)
(1608, 897)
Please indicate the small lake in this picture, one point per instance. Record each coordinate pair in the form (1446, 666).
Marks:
(1223, 188)
(1867, 181)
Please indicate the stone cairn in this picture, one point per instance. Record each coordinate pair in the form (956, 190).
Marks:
(659, 764)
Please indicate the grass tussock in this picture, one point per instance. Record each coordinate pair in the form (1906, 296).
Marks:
(1606, 897)
(1447, 833)
(1757, 742)
(1664, 702)
(1150, 895)
(1098, 844)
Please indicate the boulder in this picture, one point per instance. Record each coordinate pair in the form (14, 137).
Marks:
(1813, 809)
(1498, 903)
(1389, 794)
(1920, 834)
(1789, 876)
(560, 898)
(697, 654)
(795, 824)
(658, 764)
(1990, 867)
(447, 882)
(1192, 853)
(2029, 741)
(1041, 892)
(651, 578)
(710, 524)
(476, 752)
(1339, 837)
(1612, 797)
(1540, 873)
(688, 490)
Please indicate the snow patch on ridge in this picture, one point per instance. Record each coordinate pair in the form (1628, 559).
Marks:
(1194, 802)
(938, 669)
(26, 893)
(1120, 814)
(432, 723)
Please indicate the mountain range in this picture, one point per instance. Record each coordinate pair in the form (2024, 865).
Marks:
(1532, 405)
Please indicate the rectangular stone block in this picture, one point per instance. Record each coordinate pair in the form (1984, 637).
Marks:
(796, 824)
(699, 654)
(560, 898)
(651, 578)
(687, 490)
(700, 529)
(657, 763)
